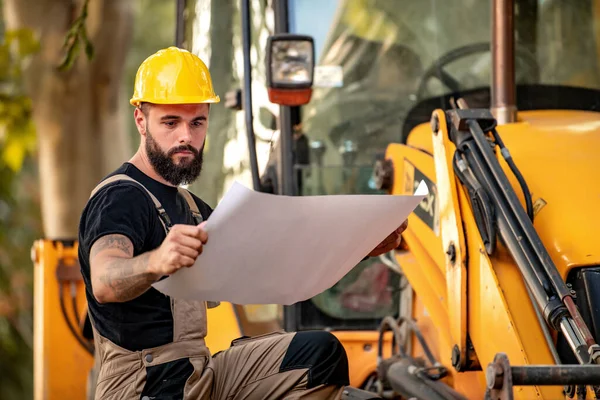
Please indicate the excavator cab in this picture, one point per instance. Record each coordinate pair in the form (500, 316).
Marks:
(482, 101)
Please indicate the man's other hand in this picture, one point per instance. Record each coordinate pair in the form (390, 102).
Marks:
(181, 247)
(391, 242)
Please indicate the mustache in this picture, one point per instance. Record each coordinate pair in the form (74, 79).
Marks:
(184, 148)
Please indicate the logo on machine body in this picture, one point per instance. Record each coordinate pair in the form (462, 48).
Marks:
(428, 209)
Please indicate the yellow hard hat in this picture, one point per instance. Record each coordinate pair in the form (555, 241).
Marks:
(173, 76)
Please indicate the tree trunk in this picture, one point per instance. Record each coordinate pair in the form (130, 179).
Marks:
(80, 130)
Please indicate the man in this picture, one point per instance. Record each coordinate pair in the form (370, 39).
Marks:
(140, 226)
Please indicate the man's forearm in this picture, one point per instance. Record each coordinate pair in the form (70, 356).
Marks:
(125, 279)
(117, 276)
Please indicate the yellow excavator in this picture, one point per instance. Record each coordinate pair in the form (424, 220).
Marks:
(495, 106)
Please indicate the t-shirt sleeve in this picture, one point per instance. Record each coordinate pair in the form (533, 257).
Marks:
(118, 209)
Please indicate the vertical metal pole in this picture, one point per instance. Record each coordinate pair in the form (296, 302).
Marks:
(285, 167)
(247, 93)
(180, 24)
(504, 105)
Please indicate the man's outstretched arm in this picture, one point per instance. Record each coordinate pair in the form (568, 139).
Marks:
(117, 276)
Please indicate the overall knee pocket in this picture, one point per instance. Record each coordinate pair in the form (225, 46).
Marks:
(323, 355)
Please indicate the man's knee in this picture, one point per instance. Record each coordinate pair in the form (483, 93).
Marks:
(323, 355)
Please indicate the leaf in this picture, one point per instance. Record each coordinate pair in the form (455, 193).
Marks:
(26, 40)
(89, 48)
(18, 132)
(70, 57)
(77, 33)
(13, 155)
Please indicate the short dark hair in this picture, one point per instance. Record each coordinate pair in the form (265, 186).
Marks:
(145, 108)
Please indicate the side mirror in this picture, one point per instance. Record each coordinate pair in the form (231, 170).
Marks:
(290, 69)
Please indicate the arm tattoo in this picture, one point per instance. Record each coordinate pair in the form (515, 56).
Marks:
(126, 277)
(118, 242)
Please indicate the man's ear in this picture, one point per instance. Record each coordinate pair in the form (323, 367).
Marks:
(140, 121)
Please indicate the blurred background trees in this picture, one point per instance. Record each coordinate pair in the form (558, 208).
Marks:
(61, 130)
(75, 100)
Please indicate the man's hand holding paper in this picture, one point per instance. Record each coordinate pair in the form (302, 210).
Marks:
(391, 242)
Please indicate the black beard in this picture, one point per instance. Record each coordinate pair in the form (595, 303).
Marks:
(184, 173)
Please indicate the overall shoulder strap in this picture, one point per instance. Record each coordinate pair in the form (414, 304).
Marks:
(191, 204)
(164, 218)
(198, 219)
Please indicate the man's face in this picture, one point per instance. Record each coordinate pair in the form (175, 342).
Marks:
(174, 139)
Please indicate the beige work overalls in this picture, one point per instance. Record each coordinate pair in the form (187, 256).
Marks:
(247, 370)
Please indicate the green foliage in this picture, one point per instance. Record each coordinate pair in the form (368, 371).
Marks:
(76, 36)
(20, 222)
(17, 134)
(20, 225)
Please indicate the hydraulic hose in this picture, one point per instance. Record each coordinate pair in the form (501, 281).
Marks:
(87, 347)
(415, 329)
(389, 322)
(404, 378)
(513, 167)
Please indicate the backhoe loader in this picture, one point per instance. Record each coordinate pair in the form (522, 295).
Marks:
(494, 105)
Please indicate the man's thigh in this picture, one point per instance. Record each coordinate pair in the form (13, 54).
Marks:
(270, 366)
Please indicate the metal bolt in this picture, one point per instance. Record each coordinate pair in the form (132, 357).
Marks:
(435, 123)
(494, 376)
(451, 252)
(456, 357)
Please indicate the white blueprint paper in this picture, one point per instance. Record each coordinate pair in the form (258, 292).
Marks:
(272, 249)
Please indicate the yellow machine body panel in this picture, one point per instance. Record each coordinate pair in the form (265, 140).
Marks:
(361, 348)
(555, 152)
(61, 364)
(222, 327)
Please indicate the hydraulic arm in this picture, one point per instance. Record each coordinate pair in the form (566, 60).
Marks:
(498, 212)
(475, 136)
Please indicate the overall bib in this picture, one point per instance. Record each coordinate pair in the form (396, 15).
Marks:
(122, 373)
(273, 366)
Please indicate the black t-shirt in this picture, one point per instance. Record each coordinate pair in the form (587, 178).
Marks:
(125, 208)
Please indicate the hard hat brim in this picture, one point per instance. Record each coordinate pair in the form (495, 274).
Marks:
(181, 100)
